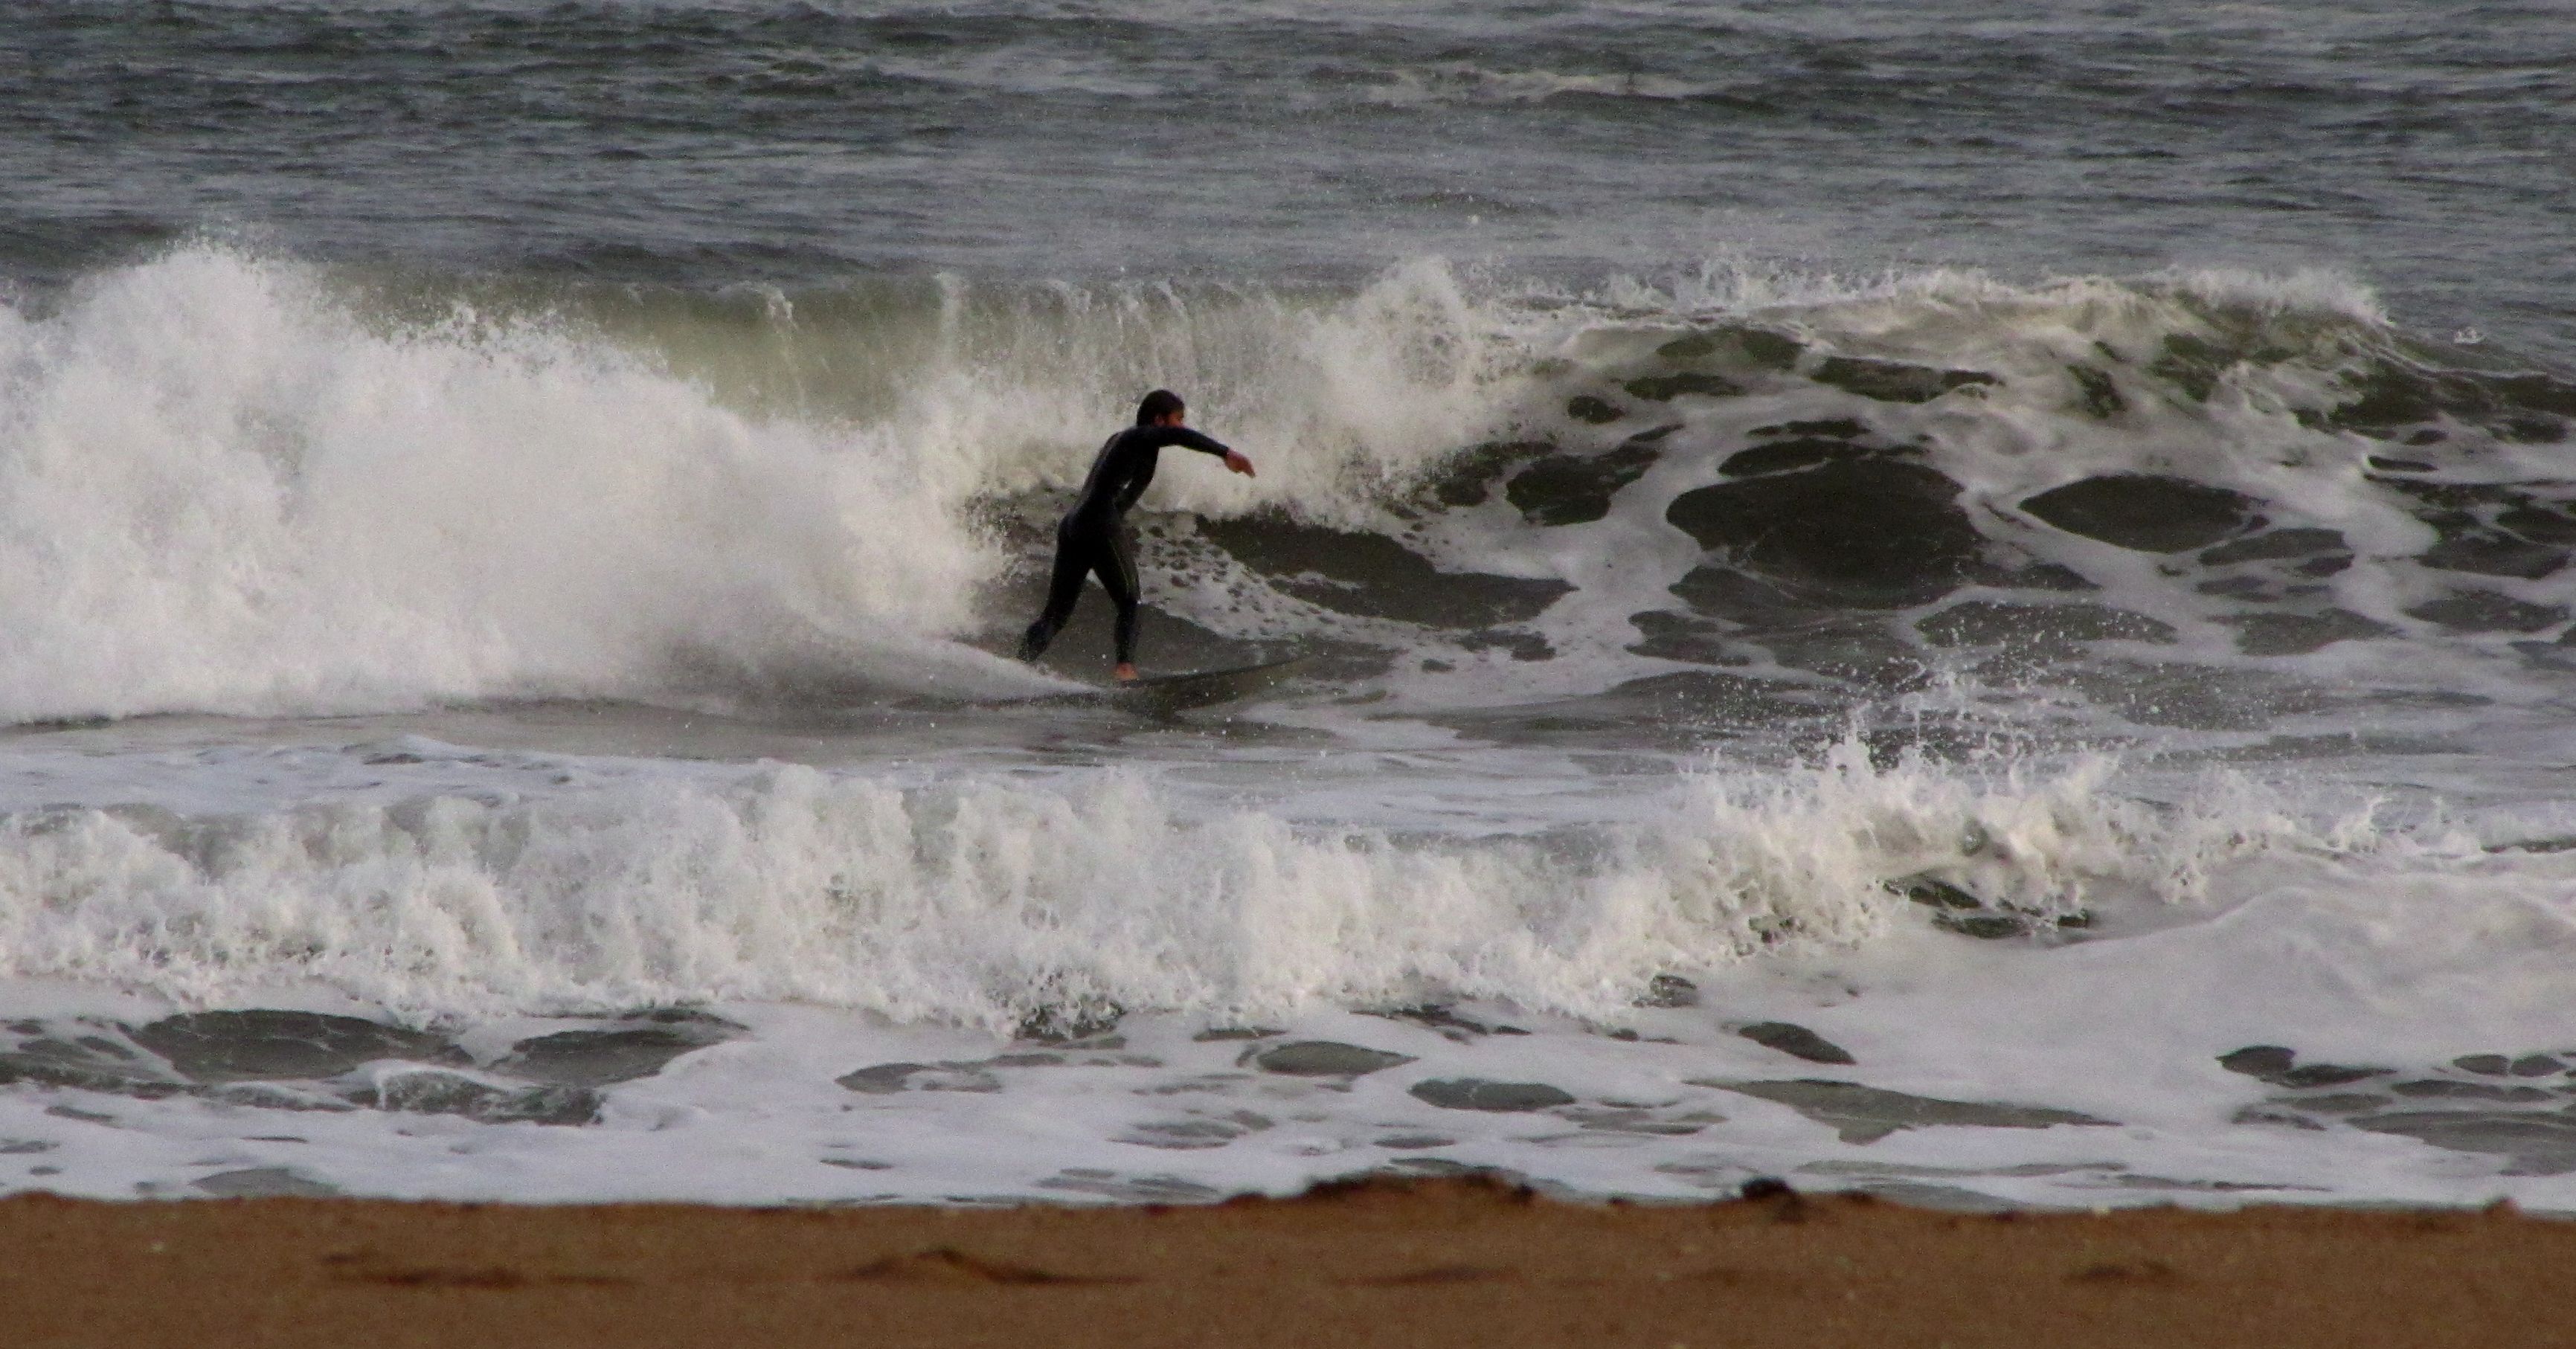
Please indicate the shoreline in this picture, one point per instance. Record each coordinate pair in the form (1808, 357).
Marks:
(1466, 1262)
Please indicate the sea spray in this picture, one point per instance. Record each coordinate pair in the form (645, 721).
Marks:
(224, 494)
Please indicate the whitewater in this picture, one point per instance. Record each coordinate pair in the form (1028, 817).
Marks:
(1964, 605)
(510, 725)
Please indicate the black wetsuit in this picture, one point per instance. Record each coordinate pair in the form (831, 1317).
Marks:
(1093, 535)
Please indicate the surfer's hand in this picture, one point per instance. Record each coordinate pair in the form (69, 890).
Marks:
(1234, 460)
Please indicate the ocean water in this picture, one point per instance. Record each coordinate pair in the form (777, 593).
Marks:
(1963, 600)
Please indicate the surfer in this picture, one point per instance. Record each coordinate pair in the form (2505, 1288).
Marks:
(1093, 535)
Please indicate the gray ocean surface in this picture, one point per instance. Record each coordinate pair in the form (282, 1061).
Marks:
(1966, 600)
(2423, 148)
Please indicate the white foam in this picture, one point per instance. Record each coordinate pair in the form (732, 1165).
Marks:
(224, 488)
(1333, 396)
(2247, 914)
(978, 901)
(225, 493)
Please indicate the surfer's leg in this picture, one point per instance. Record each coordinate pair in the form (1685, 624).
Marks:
(1117, 567)
(1072, 562)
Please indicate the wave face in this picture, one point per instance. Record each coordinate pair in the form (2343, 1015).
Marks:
(242, 485)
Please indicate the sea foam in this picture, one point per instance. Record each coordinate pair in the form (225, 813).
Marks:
(981, 901)
(229, 483)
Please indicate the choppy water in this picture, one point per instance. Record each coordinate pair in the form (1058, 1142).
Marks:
(1928, 598)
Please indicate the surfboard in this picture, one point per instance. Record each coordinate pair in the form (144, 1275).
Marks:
(1202, 688)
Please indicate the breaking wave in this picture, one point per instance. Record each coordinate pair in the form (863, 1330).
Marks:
(983, 902)
(237, 484)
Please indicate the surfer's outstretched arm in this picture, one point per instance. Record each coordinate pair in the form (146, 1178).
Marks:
(1131, 456)
(1191, 440)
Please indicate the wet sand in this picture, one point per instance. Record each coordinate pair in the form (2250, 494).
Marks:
(1433, 1263)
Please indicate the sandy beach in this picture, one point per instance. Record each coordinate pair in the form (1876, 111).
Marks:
(1464, 1262)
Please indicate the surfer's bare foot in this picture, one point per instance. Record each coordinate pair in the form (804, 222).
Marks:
(1126, 674)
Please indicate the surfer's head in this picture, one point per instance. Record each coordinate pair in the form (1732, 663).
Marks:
(1162, 407)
